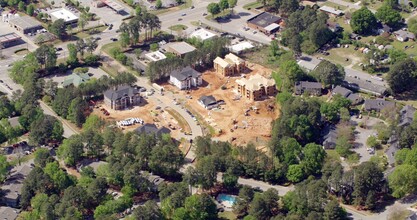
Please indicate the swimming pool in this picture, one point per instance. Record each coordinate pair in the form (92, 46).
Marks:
(226, 200)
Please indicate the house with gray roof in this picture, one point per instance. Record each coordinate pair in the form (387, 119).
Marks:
(358, 84)
(8, 213)
(346, 93)
(152, 129)
(312, 88)
(208, 102)
(330, 137)
(121, 97)
(406, 115)
(180, 49)
(185, 78)
(377, 105)
(402, 35)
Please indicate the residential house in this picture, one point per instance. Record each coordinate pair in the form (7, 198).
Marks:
(152, 129)
(383, 28)
(264, 22)
(75, 79)
(185, 78)
(402, 35)
(406, 115)
(13, 186)
(330, 10)
(180, 49)
(230, 65)
(8, 213)
(208, 102)
(377, 105)
(308, 64)
(312, 88)
(333, 26)
(121, 97)
(346, 93)
(356, 83)
(329, 137)
(256, 87)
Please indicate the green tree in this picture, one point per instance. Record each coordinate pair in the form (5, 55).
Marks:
(44, 129)
(21, 6)
(71, 150)
(295, 173)
(124, 39)
(200, 207)
(288, 6)
(46, 56)
(403, 180)
(363, 21)
(4, 167)
(42, 157)
(229, 179)
(313, 159)
(207, 172)
(82, 21)
(72, 55)
(388, 15)
(60, 178)
(58, 28)
(158, 4)
(368, 179)
(401, 77)
(213, 8)
(232, 3)
(149, 211)
(290, 73)
(328, 73)
(224, 4)
(30, 9)
(372, 142)
(333, 211)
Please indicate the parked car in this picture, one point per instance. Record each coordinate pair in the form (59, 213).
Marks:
(113, 39)
(183, 14)
(58, 48)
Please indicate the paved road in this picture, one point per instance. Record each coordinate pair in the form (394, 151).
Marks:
(68, 130)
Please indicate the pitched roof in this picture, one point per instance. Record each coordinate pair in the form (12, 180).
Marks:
(331, 10)
(406, 115)
(255, 82)
(207, 100)
(404, 34)
(221, 62)
(264, 19)
(184, 73)
(309, 85)
(119, 92)
(75, 79)
(8, 213)
(152, 129)
(360, 84)
(378, 104)
(14, 122)
(342, 91)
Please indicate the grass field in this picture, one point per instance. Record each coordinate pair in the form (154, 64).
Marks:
(336, 6)
(252, 5)
(178, 27)
(227, 215)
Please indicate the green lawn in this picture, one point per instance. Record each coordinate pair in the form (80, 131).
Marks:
(106, 48)
(252, 5)
(333, 155)
(401, 45)
(178, 27)
(227, 215)
(339, 55)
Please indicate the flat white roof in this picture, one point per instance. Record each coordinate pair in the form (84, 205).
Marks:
(271, 27)
(155, 56)
(64, 14)
(331, 10)
(114, 5)
(202, 34)
(241, 46)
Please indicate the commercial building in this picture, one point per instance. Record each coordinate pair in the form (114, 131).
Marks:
(9, 39)
(25, 24)
(64, 14)
(180, 49)
(185, 78)
(203, 34)
(256, 87)
(75, 79)
(265, 23)
(113, 4)
(312, 88)
(230, 65)
(121, 97)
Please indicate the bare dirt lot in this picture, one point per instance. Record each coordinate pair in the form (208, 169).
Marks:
(147, 111)
(230, 121)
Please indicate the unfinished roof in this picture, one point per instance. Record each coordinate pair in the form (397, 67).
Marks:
(155, 56)
(25, 22)
(119, 92)
(221, 62)
(331, 10)
(180, 47)
(9, 37)
(264, 19)
(63, 13)
(255, 82)
(184, 73)
(234, 59)
(202, 34)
